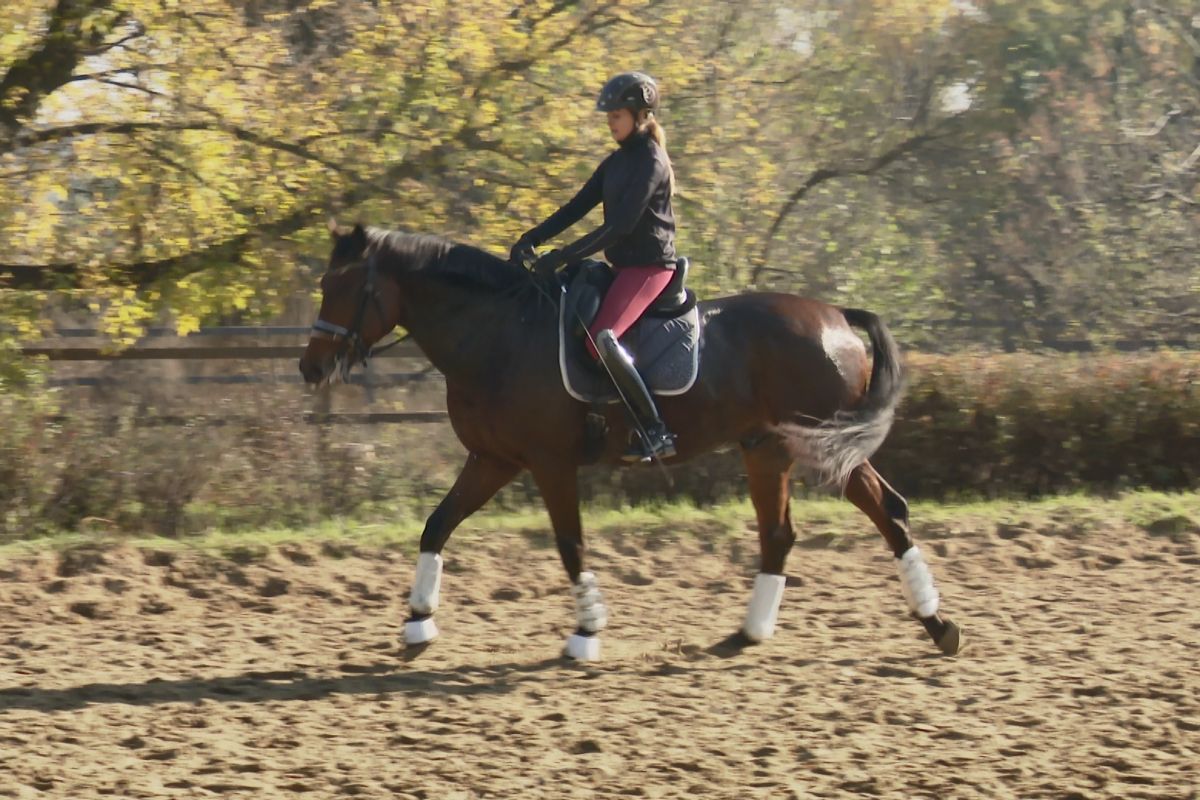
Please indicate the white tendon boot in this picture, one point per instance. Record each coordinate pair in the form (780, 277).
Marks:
(764, 607)
(916, 583)
(427, 585)
(592, 616)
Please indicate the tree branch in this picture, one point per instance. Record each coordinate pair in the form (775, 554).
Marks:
(824, 174)
(592, 22)
(246, 212)
(230, 250)
(1154, 130)
(134, 86)
(31, 137)
(138, 32)
(45, 135)
(51, 65)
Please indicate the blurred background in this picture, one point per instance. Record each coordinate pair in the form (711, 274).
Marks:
(1010, 184)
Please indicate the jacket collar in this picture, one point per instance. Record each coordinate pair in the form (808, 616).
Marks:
(634, 139)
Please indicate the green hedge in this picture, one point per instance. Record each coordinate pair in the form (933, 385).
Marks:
(1018, 425)
(1006, 425)
(1032, 425)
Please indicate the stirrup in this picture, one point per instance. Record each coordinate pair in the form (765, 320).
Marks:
(661, 444)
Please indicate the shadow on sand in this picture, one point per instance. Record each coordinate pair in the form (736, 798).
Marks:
(262, 687)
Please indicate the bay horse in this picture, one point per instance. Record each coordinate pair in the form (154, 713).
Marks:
(783, 377)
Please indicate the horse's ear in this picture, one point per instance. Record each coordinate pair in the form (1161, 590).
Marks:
(358, 237)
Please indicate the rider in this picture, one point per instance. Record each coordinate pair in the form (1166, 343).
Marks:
(635, 183)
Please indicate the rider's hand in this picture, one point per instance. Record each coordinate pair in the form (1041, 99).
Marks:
(522, 251)
(547, 265)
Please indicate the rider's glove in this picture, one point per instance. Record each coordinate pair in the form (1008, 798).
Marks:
(547, 265)
(522, 251)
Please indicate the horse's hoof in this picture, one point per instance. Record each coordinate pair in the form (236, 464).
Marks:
(581, 647)
(950, 642)
(757, 633)
(730, 646)
(420, 630)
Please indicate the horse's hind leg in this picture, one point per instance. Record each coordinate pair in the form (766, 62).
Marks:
(889, 511)
(768, 467)
(478, 482)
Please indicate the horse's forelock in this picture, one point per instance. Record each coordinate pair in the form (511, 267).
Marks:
(345, 248)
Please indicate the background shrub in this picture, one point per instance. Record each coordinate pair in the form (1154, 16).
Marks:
(969, 426)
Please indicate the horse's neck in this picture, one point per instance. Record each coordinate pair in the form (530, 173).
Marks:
(458, 329)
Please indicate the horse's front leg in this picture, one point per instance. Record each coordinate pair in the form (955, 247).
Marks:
(559, 486)
(478, 482)
(889, 511)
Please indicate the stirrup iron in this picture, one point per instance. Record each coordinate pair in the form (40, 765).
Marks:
(661, 444)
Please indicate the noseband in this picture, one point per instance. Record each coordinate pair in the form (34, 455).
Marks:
(359, 351)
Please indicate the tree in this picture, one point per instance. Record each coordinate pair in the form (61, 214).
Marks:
(980, 172)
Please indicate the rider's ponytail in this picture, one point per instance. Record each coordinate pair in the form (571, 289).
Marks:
(659, 135)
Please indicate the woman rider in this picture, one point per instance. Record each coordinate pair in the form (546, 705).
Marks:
(635, 183)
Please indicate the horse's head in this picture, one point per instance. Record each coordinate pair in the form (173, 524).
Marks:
(359, 305)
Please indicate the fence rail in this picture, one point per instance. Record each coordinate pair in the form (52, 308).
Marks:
(368, 380)
(192, 353)
(220, 421)
(204, 352)
(63, 353)
(216, 330)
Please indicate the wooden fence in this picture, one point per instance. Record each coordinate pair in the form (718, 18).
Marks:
(146, 350)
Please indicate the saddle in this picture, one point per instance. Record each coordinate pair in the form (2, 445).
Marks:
(664, 342)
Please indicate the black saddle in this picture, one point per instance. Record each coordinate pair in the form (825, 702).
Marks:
(589, 280)
(664, 343)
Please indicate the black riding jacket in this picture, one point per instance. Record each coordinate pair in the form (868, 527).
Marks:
(634, 182)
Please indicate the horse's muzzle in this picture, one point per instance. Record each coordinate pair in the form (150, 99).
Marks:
(312, 371)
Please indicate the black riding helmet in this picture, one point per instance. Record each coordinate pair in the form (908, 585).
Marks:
(632, 90)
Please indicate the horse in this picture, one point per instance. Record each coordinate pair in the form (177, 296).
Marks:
(784, 378)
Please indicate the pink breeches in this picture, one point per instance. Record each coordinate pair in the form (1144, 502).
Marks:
(631, 293)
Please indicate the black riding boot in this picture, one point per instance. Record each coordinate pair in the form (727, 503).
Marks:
(654, 440)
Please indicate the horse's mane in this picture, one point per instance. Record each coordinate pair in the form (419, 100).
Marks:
(401, 252)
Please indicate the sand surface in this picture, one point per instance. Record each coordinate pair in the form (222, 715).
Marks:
(137, 673)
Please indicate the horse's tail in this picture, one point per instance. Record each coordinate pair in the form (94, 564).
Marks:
(887, 378)
(834, 447)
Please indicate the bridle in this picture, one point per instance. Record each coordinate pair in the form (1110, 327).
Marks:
(358, 351)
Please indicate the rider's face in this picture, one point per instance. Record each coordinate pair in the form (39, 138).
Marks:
(620, 123)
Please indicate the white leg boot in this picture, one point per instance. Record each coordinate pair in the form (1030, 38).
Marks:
(592, 616)
(764, 607)
(916, 583)
(427, 586)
